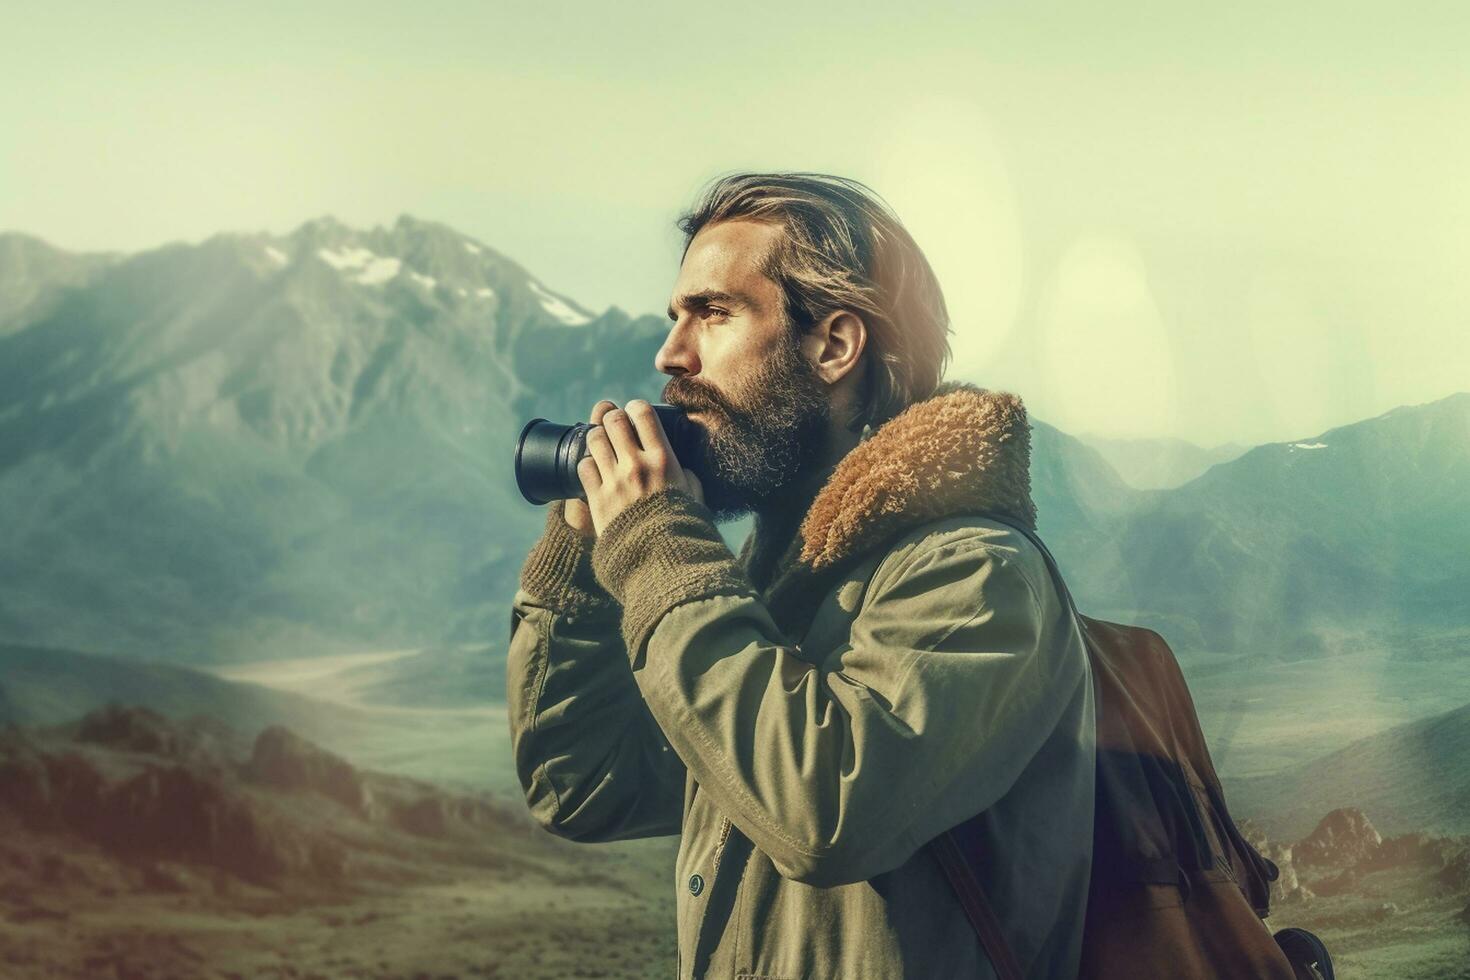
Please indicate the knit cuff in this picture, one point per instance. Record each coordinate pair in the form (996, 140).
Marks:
(663, 550)
(558, 571)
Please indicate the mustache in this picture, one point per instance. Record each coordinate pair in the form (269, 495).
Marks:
(692, 396)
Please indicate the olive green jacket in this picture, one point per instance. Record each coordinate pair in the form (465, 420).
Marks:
(809, 714)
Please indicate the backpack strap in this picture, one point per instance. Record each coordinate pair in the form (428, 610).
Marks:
(1051, 563)
(972, 897)
(958, 867)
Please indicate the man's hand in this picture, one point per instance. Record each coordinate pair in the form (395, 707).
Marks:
(573, 510)
(629, 458)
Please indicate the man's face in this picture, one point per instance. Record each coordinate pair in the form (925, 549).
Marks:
(739, 372)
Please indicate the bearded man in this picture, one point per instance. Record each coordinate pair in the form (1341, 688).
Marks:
(880, 663)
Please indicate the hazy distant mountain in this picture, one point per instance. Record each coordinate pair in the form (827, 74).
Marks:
(1298, 548)
(34, 275)
(1080, 502)
(260, 446)
(1351, 537)
(462, 676)
(1074, 486)
(45, 686)
(1160, 464)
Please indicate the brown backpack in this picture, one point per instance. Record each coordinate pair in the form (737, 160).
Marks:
(1177, 891)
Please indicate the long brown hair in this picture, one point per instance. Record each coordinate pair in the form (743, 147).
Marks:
(843, 248)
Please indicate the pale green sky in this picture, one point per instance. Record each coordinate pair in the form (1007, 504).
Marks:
(1246, 224)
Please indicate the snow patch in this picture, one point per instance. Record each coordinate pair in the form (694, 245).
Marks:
(428, 282)
(378, 270)
(472, 248)
(346, 257)
(372, 269)
(275, 255)
(558, 307)
(1309, 445)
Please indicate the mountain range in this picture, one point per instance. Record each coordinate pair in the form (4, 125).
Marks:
(1159, 463)
(261, 446)
(1302, 548)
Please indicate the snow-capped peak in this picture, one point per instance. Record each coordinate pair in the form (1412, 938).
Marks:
(558, 307)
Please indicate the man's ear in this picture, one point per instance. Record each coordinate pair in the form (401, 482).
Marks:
(835, 345)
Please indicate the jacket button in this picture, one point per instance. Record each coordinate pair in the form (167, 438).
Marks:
(696, 884)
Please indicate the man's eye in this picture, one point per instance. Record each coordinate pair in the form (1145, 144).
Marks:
(715, 311)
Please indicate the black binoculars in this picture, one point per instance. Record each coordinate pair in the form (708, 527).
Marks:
(547, 453)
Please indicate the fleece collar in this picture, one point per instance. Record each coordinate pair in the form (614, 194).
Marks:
(962, 450)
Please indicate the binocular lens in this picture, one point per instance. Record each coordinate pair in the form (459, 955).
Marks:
(547, 454)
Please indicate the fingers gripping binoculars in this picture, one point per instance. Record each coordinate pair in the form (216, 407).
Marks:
(547, 453)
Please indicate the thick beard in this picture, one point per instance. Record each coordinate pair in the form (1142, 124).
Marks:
(767, 434)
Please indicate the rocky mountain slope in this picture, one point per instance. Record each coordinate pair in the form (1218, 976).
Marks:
(266, 446)
(135, 845)
(273, 810)
(1385, 907)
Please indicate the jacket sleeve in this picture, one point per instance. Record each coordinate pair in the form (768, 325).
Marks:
(838, 770)
(590, 758)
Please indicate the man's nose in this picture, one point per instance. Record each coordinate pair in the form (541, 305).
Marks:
(677, 355)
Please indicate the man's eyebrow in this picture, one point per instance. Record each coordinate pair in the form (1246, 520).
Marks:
(691, 301)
